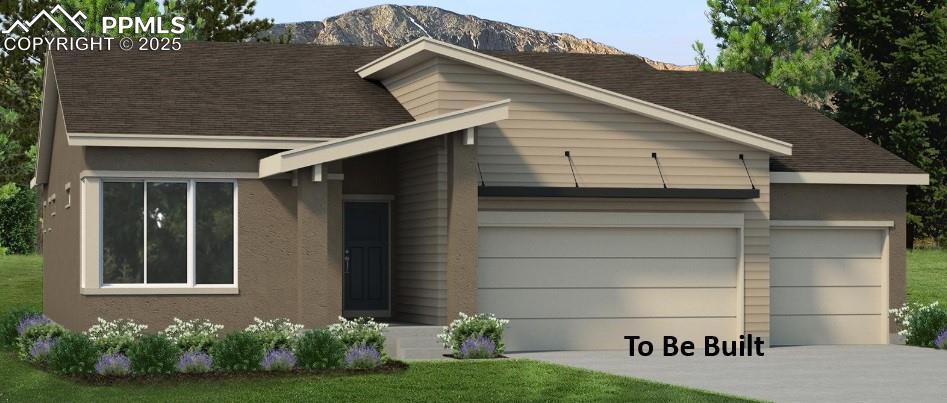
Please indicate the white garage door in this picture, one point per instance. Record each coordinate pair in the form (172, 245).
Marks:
(583, 281)
(828, 286)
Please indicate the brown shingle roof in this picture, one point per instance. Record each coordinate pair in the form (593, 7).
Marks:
(313, 91)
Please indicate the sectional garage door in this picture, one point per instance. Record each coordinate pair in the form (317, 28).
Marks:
(828, 285)
(582, 281)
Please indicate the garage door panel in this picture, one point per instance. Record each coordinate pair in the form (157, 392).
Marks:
(607, 242)
(609, 303)
(819, 243)
(616, 272)
(826, 300)
(827, 329)
(826, 272)
(608, 334)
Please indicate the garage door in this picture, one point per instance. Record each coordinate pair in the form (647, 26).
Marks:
(583, 281)
(828, 286)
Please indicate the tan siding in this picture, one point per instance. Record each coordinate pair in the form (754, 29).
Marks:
(610, 148)
(421, 226)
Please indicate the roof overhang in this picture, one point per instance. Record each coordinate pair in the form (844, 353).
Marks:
(384, 138)
(849, 178)
(47, 123)
(424, 48)
(191, 141)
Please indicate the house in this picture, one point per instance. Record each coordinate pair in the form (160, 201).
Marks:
(583, 197)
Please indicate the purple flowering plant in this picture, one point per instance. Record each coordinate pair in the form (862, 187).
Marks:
(278, 360)
(41, 348)
(31, 321)
(195, 362)
(941, 341)
(113, 365)
(478, 347)
(362, 357)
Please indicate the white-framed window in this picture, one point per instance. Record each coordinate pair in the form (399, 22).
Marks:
(167, 233)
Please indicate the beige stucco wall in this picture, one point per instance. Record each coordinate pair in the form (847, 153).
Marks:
(267, 251)
(851, 202)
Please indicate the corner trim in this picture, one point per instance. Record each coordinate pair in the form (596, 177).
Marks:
(849, 178)
(830, 223)
(577, 88)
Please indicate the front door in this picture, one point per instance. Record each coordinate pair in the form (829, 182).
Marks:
(365, 260)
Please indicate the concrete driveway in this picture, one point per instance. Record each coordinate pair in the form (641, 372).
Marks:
(786, 374)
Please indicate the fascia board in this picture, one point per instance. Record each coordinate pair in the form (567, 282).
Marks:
(849, 178)
(384, 138)
(576, 88)
(188, 141)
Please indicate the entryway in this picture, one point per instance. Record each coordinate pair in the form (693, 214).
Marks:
(366, 260)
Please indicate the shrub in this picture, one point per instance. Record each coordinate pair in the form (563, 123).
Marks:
(467, 326)
(319, 349)
(193, 335)
(113, 365)
(30, 321)
(41, 348)
(195, 362)
(153, 354)
(73, 354)
(362, 357)
(278, 360)
(941, 341)
(35, 332)
(17, 219)
(238, 351)
(275, 334)
(9, 322)
(360, 332)
(115, 336)
(478, 347)
(920, 324)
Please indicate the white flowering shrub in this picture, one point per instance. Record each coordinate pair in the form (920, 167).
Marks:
(275, 334)
(363, 332)
(473, 326)
(115, 336)
(920, 324)
(192, 335)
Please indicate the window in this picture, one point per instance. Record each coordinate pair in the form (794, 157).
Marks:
(168, 232)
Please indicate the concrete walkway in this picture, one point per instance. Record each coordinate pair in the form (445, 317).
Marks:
(786, 374)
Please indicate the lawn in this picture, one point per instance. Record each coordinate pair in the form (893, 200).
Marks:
(496, 380)
(927, 276)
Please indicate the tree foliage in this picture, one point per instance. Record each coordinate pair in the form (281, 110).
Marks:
(784, 42)
(218, 20)
(895, 65)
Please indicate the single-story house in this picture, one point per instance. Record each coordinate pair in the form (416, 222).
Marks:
(582, 197)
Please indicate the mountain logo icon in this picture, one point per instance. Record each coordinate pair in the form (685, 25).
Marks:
(26, 25)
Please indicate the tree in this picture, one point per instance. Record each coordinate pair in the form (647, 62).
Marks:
(895, 64)
(218, 20)
(785, 42)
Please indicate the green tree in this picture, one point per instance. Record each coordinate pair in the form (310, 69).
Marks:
(785, 42)
(218, 20)
(895, 64)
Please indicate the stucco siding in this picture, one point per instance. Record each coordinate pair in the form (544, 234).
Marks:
(852, 202)
(420, 281)
(609, 147)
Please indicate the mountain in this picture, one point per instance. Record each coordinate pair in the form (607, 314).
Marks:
(393, 25)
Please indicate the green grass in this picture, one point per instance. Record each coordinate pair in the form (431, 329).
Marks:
(495, 380)
(927, 276)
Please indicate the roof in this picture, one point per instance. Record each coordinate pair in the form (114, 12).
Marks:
(225, 89)
(313, 91)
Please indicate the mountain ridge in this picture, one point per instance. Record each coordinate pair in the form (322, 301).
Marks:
(394, 25)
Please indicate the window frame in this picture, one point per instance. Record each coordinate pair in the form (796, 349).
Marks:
(165, 288)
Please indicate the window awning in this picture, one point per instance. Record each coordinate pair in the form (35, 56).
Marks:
(384, 138)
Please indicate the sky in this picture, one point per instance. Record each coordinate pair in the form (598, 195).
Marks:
(662, 30)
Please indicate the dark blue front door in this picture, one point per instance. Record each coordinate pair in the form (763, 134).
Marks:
(365, 271)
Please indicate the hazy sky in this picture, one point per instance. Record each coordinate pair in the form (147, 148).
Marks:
(659, 29)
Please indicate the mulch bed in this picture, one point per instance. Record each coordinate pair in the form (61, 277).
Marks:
(477, 359)
(389, 367)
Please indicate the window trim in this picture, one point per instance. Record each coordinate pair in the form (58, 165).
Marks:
(91, 239)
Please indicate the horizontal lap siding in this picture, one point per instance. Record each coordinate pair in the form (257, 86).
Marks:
(610, 148)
